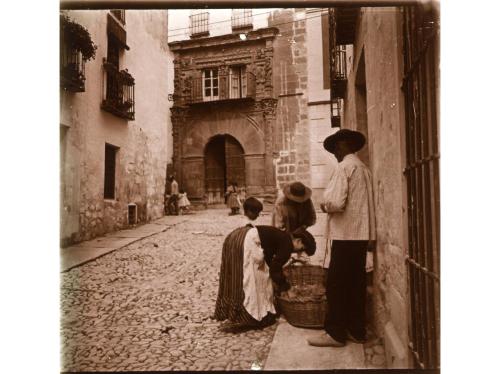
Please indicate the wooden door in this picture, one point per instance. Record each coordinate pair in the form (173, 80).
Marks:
(235, 161)
(215, 185)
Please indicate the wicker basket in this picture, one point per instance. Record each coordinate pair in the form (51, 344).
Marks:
(310, 314)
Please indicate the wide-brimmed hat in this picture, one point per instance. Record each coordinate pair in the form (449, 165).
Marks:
(356, 140)
(297, 192)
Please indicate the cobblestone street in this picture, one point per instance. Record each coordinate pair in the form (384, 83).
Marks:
(147, 306)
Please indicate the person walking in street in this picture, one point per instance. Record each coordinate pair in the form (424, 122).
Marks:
(173, 200)
(251, 267)
(348, 201)
(294, 208)
(232, 198)
(184, 202)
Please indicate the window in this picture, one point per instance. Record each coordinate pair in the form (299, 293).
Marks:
(210, 84)
(119, 94)
(241, 18)
(119, 14)
(238, 82)
(109, 170)
(113, 51)
(198, 23)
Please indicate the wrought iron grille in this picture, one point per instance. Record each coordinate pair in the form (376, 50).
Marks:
(119, 95)
(339, 77)
(241, 18)
(119, 14)
(420, 84)
(72, 68)
(198, 24)
(340, 62)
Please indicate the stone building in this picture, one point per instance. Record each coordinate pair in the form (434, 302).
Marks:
(391, 94)
(114, 121)
(251, 100)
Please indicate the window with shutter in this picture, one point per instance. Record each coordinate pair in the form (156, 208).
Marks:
(109, 171)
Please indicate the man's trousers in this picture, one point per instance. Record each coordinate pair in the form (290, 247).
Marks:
(346, 290)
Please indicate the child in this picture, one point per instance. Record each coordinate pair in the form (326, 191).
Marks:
(242, 195)
(183, 202)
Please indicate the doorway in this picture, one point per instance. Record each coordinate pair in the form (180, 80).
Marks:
(224, 163)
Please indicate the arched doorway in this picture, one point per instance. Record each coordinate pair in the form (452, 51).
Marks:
(224, 162)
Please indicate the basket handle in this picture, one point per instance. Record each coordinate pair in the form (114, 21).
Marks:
(294, 260)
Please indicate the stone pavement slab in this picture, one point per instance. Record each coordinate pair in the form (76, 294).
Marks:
(106, 242)
(74, 256)
(290, 351)
(84, 252)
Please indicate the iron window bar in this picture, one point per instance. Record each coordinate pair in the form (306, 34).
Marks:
(198, 24)
(340, 62)
(422, 177)
(241, 19)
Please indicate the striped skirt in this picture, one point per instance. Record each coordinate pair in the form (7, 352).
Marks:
(229, 304)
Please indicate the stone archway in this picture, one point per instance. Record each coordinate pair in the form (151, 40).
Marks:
(224, 163)
(201, 129)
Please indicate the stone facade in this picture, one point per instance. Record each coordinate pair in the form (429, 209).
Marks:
(141, 158)
(375, 106)
(272, 127)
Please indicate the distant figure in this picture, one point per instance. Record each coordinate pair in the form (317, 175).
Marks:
(294, 209)
(184, 203)
(242, 195)
(232, 198)
(172, 203)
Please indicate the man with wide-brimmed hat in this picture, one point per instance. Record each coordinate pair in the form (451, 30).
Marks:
(294, 209)
(348, 201)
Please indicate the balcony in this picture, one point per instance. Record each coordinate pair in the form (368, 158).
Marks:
(227, 87)
(339, 79)
(119, 92)
(72, 70)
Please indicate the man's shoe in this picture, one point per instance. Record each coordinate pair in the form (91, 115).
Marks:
(354, 340)
(324, 340)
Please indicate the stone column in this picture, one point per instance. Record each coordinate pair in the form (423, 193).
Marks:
(269, 110)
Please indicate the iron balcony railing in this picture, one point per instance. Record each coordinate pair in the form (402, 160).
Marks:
(241, 19)
(198, 24)
(223, 87)
(72, 70)
(339, 79)
(119, 92)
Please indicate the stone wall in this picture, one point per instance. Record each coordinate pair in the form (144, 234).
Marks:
(142, 154)
(291, 143)
(322, 163)
(375, 106)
